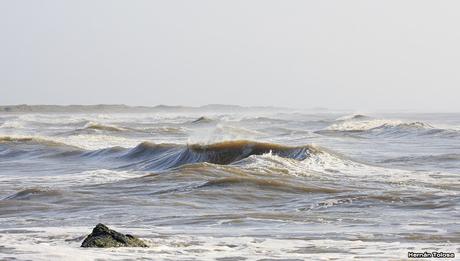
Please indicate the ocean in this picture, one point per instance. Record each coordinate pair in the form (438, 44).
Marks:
(228, 183)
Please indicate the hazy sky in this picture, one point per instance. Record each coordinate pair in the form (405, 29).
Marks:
(338, 54)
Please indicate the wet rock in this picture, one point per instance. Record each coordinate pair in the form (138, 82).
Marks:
(102, 236)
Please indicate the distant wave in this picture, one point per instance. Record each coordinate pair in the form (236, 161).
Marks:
(425, 158)
(393, 128)
(353, 117)
(236, 131)
(95, 128)
(102, 127)
(34, 141)
(377, 124)
(30, 193)
(263, 120)
(445, 161)
(202, 120)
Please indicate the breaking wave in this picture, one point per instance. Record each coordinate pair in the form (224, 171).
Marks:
(377, 124)
(164, 156)
(102, 127)
(151, 156)
(391, 128)
(263, 158)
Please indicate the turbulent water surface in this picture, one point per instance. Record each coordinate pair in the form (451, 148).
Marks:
(210, 184)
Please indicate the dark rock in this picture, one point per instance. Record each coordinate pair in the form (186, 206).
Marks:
(102, 236)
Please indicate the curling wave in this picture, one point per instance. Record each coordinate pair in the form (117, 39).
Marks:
(162, 156)
(151, 156)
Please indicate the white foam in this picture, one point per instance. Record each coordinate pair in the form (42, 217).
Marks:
(324, 165)
(48, 243)
(362, 125)
(89, 177)
(12, 124)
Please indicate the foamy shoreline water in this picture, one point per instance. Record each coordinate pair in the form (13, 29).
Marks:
(47, 243)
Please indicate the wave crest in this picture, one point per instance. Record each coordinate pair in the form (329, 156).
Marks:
(370, 125)
(33, 141)
(391, 128)
(163, 156)
(102, 127)
(30, 193)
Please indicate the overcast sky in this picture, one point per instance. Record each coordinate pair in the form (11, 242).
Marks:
(372, 55)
